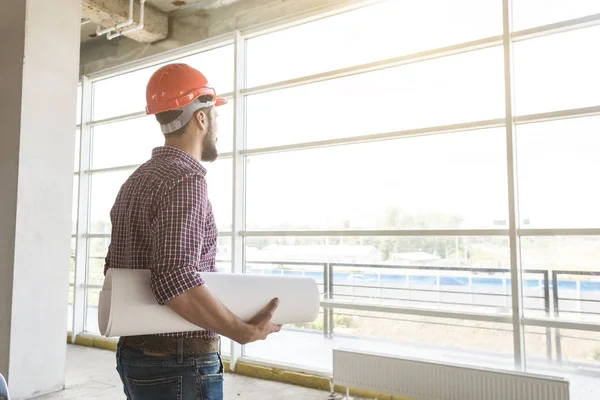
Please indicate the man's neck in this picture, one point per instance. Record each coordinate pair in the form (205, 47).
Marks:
(193, 148)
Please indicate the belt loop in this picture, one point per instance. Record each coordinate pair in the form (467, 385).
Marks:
(180, 351)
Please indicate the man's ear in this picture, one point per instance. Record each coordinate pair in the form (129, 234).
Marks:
(202, 119)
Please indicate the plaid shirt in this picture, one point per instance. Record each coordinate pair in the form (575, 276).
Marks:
(162, 220)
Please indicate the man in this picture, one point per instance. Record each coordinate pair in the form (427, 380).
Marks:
(163, 221)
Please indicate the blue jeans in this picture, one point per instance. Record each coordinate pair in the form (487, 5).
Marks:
(178, 377)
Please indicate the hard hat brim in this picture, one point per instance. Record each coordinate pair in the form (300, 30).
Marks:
(184, 101)
(220, 101)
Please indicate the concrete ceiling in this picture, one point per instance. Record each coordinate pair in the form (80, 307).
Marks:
(189, 23)
(188, 5)
(105, 13)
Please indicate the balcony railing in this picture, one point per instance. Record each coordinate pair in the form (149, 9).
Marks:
(454, 293)
(447, 292)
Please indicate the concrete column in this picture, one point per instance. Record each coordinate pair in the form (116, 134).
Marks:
(39, 66)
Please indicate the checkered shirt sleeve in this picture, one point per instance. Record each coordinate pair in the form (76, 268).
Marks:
(177, 230)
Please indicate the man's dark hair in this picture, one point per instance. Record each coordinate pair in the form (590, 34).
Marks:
(170, 116)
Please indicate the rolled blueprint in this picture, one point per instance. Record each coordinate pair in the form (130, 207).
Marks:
(127, 305)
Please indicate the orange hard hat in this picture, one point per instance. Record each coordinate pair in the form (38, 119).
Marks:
(175, 86)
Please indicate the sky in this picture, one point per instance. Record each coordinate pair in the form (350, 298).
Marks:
(461, 173)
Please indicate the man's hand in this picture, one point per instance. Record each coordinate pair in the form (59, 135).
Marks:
(199, 306)
(261, 323)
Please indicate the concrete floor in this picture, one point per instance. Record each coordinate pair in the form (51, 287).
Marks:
(98, 380)
(91, 375)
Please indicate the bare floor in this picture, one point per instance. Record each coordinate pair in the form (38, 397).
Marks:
(91, 375)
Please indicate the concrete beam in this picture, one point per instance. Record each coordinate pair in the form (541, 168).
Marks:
(186, 29)
(171, 5)
(107, 13)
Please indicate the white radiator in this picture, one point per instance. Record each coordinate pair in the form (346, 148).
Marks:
(423, 380)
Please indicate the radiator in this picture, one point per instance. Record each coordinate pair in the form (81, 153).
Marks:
(424, 380)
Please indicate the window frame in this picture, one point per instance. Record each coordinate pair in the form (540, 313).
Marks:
(240, 153)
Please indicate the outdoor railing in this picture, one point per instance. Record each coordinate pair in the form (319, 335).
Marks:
(455, 290)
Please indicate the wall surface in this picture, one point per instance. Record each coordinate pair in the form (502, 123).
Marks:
(38, 79)
(11, 74)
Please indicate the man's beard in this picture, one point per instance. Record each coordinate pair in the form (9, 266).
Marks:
(209, 147)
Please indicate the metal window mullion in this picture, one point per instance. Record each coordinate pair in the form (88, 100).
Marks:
(81, 252)
(369, 232)
(373, 137)
(239, 144)
(587, 21)
(513, 209)
(137, 114)
(426, 55)
(560, 232)
(429, 130)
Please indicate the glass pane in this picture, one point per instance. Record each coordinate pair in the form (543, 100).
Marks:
(579, 347)
(538, 346)
(474, 343)
(447, 181)
(557, 72)
(566, 353)
(122, 94)
(219, 179)
(125, 143)
(105, 187)
(225, 347)
(573, 266)
(70, 308)
(224, 250)
(225, 128)
(72, 271)
(462, 88)
(72, 261)
(77, 149)
(75, 205)
(91, 315)
(557, 167)
(217, 65)
(530, 13)
(126, 94)
(79, 98)
(470, 274)
(98, 250)
(390, 29)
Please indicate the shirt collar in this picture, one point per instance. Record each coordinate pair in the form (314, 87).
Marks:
(180, 155)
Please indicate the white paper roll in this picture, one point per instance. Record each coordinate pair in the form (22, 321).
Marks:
(127, 305)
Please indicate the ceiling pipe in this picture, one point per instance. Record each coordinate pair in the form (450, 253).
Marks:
(129, 22)
(138, 27)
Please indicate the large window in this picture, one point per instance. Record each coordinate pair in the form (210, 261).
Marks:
(408, 140)
(371, 153)
(118, 139)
